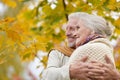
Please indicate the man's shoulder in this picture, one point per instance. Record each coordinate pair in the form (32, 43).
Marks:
(62, 49)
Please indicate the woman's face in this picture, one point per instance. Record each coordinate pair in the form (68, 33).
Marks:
(76, 33)
(81, 33)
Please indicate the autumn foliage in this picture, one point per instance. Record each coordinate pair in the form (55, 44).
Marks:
(24, 30)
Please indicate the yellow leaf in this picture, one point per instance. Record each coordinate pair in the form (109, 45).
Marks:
(117, 62)
(112, 2)
(112, 7)
(27, 53)
(10, 3)
(7, 20)
(117, 22)
(18, 28)
(44, 60)
(13, 35)
(2, 60)
(12, 56)
(117, 31)
(1, 41)
(20, 0)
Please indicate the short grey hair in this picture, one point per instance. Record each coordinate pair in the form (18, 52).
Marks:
(96, 23)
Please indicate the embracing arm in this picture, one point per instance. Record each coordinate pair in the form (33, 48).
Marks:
(55, 70)
(111, 72)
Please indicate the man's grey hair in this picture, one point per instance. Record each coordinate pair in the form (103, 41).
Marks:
(96, 23)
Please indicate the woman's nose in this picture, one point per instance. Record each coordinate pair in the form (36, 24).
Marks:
(75, 34)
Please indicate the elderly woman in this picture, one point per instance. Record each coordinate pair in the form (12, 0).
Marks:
(92, 33)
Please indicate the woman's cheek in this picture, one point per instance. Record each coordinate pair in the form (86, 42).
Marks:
(78, 42)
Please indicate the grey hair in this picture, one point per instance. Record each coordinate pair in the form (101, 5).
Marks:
(96, 23)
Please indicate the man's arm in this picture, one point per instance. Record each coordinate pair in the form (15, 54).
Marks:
(111, 73)
(80, 69)
(55, 70)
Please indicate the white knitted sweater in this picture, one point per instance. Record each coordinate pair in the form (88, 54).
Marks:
(95, 50)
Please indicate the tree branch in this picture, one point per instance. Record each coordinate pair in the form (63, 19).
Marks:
(64, 6)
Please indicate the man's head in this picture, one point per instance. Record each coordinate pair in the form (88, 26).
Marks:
(70, 30)
(80, 25)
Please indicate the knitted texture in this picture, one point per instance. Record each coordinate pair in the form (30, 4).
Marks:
(95, 50)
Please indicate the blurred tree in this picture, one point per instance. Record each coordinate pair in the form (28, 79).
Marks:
(32, 25)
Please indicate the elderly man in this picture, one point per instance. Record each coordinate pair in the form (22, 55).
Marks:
(58, 68)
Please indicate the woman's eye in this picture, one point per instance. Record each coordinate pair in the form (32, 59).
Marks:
(77, 27)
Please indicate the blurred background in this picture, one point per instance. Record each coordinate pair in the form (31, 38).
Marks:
(30, 28)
